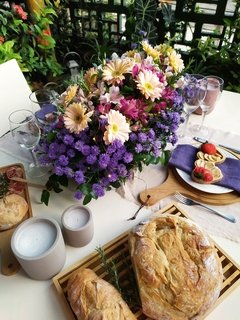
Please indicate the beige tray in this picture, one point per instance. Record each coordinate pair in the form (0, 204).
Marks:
(117, 250)
(9, 264)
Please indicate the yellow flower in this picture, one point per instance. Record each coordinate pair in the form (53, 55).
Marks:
(150, 51)
(149, 85)
(91, 77)
(176, 62)
(117, 127)
(75, 118)
(113, 72)
(70, 93)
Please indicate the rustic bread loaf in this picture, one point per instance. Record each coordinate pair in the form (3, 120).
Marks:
(93, 298)
(177, 269)
(13, 209)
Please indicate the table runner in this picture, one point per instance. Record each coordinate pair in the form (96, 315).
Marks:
(153, 176)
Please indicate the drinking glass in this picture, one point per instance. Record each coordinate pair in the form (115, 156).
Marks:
(214, 90)
(26, 132)
(193, 91)
(43, 103)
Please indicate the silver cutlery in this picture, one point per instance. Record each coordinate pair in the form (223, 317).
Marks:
(190, 202)
(201, 140)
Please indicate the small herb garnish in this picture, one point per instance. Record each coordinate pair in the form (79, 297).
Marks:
(4, 185)
(129, 292)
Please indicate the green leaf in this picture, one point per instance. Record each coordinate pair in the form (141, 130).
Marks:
(87, 199)
(45, 197)
(63, 180)
(85, 188)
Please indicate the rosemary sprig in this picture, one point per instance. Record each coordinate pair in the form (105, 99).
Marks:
(129, 292)
(110, 268)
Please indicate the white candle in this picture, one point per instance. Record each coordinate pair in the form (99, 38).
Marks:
(35, 239)
(76, 218)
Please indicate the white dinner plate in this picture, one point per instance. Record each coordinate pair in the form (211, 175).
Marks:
(210, 188)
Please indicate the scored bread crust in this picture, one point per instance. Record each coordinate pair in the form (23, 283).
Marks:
(93, 298)
(13, 209)
(178, 272)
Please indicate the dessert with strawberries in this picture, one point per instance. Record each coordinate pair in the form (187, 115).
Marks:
(206, 172)
(209, 152)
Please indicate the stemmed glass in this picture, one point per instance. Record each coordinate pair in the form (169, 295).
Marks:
(194, 90)
(43, 103)
(26, 132)
(214, 90)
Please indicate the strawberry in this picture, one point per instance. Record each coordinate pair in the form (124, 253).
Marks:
(208, 148)
(203, 174)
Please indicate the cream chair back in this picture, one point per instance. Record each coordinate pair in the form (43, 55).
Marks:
(14, 92)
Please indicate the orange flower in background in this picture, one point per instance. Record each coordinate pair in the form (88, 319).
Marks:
(2, 39)
(19, 11)
(41, 39)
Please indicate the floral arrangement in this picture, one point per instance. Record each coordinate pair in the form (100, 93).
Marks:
(118, 117)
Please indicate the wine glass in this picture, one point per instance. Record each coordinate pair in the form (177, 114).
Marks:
(26, 132)
(214, 90)
(193, 91)
(43, 103)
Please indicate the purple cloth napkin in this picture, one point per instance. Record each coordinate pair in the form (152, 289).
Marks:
(184, 156)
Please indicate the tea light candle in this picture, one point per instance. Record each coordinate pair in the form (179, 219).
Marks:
(36, 238)
(76, 218)
(77, 225)
(39, 247)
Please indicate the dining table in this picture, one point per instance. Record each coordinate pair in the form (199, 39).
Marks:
(22, 298)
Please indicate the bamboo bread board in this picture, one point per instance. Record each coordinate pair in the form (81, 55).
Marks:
(9, 264)
(175, 183)
(117, 250)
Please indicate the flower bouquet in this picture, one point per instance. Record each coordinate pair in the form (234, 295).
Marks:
(116, 118)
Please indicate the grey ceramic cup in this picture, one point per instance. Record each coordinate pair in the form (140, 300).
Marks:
(38, 245)
(78, 226)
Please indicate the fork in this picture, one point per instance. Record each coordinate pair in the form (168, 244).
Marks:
(190, 202)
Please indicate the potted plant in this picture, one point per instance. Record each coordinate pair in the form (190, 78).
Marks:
(27, 38)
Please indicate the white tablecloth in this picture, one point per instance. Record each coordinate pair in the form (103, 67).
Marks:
(22, 298)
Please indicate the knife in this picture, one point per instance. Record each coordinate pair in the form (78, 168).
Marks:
(201, 140)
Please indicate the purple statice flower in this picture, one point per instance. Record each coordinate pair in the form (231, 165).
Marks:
(78, 195)
(138, 148)
(44, 159)
(112, 176)
(58, 170)
(122, 170)
(95, 150)
(53, 150)
(79, 177)
(112, 147)
(69, 172)
(71, 153)
(68, 139)
(142, 137)
(104, 182)
(104, 160)
(91, 159)
(98, 190)
(151, 134)
(128, 157)
(86, 150)
(133, 137)
(63, 160)
(79, 145)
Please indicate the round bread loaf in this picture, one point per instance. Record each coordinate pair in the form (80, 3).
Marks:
(177, 268)
(13, 209)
